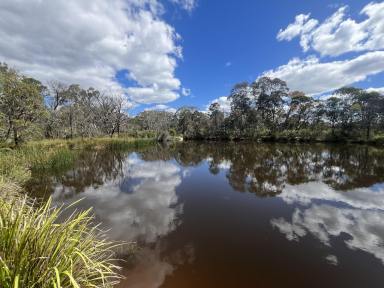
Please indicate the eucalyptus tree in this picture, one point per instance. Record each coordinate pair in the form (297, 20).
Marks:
(86, 111)
(21, 104)
(240, 99)
(300, 110)
(183, 118)
(216, 119)
(56, 98)
(333, 112)
(155, 120)
(269, 94)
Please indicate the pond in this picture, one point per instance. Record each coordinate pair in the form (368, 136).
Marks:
(236, 214)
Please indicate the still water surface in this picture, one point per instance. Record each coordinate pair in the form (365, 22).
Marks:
(236, 214)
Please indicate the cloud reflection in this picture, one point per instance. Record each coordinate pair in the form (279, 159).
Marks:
(139, 206)
(325, 214)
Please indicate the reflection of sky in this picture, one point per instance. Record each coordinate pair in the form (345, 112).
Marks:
(358, 213)
(153, 269)
(140, 206)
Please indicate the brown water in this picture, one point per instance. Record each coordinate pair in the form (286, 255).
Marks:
(237, 215)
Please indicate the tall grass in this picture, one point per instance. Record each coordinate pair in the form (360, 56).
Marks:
(38, 249)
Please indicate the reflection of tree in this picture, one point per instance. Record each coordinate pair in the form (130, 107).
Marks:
(91, 168)
(348, 167)
(265, 169)
(163, 151)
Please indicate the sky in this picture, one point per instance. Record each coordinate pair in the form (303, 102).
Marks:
(164, 54)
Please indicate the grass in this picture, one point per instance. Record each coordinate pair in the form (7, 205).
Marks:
(38, 250)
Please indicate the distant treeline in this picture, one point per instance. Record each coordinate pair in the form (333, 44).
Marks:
(267, 110)
(262, 110)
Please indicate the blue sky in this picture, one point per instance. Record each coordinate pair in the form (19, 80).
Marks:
(225, 42)
(151, 51)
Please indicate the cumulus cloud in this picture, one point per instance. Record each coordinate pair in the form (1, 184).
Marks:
(339, 34)
(315, 77)
(89, 42)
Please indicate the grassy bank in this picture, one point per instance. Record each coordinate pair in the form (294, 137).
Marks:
(37, 250)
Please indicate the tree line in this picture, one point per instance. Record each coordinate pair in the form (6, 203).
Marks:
(29, 109)
(263, 110)
(267, 109)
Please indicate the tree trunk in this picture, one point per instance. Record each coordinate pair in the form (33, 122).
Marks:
(15, 136)
(71, 123)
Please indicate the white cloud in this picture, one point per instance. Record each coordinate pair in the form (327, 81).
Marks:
(225, 104)
(161, 107)
(339, 34)
(88, 42)
(315, 77)
(302, 25)
(378, 89)
(188, 5)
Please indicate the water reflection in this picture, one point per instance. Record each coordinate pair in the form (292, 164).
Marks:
(152, 266)
(138, 204)
(206, 206)
(357, 214)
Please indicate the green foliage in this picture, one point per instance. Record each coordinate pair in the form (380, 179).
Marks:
(38, 249)
(21, 104)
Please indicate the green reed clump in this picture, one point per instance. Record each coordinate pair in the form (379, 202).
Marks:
(56, 160)
(122, 145)
(38, 250)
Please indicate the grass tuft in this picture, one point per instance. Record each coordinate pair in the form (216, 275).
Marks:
(39, 250)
